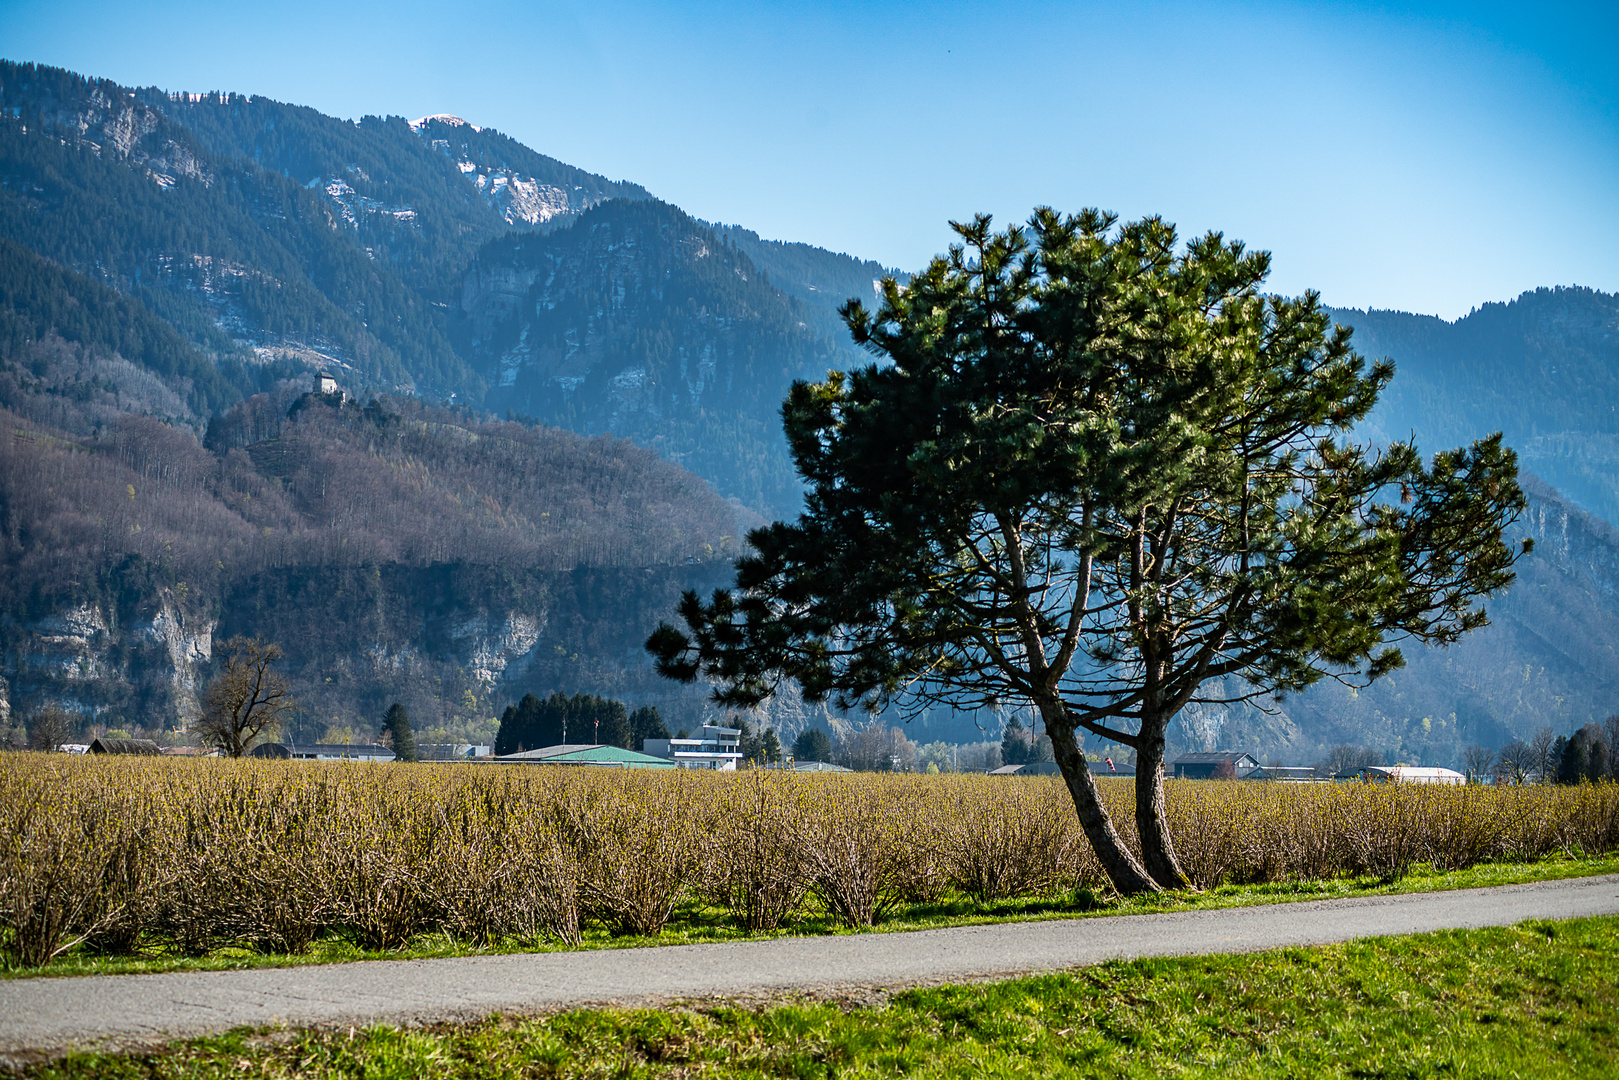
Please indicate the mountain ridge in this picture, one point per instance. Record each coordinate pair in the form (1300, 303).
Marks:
(175, 266)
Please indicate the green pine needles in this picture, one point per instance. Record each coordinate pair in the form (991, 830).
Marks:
(1096, 472)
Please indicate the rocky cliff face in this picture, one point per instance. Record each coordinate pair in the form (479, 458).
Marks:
(520, 199)
(394, 552)
(89, 661)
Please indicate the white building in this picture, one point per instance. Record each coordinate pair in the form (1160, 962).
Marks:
(1407, 774)
(714, 747)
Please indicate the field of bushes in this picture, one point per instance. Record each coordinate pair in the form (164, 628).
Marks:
(121, 855)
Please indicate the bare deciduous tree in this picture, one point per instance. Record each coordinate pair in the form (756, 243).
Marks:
(246, 700)
(1478, 761)
(49, 728)
(1544, 762)
(1346, 759)
(1516, 763)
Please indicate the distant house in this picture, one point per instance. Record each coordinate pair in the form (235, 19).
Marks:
(1028, 768)
(1404, 774)
(715, 747)
(323, 751)
(325, 384)
(137, 747)
(1117, 768)
(815, 766)
(452, 751)
(1286, 774)
(1209, 766)
(597, 754)
(190, 751)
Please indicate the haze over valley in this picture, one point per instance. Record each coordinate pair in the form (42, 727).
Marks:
(558, 410)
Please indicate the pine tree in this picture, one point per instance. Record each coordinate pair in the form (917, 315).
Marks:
(1098, 472)
(1585, 757)
(812, 744)
(613, 724)
(1014, 743)
(646, 723)
(396, 722)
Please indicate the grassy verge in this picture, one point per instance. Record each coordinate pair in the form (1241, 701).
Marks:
(694, 923)
(1533, 1000)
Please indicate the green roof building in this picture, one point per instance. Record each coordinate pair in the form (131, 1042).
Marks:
(612, 757)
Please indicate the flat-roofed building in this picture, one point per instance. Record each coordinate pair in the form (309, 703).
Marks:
(715, 747)
(1215, 765)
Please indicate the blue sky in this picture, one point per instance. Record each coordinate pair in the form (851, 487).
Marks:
(1427, 157)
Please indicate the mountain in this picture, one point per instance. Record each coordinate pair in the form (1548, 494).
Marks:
(395, 551)
(1549, 658)
(642, 321)
(175, 266)
(273, 241)
(1543, 369)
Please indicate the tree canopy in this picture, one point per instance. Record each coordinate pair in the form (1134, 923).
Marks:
(532, 724)
(396, 725)
(1097, 471)
(246, 699)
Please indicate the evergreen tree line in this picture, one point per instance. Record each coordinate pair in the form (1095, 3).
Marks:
(533, 724)
(1591, 753)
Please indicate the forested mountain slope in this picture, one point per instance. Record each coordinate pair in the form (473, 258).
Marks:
(396, 551)
(639, 320)
(1543, 369)
(1549, 658)
(174, 266)
(274, 240)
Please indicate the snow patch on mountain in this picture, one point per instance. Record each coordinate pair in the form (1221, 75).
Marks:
(442, 118)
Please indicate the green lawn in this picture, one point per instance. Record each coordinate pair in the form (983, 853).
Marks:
(1540, 999)
(694, 922)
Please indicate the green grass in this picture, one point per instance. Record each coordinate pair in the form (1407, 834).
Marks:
(1539, 999)
(694, 922)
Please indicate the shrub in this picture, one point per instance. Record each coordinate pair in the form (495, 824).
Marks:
(272, 855)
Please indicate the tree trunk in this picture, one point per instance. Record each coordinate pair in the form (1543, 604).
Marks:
(1122, 867)
(1152, 824)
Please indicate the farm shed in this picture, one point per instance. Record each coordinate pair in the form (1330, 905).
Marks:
(323, 751)
(585, 754)
(1028, 768)
(1408, 774)
(139, 747)
(452, 751)
(1287, 774)
(1209, 766)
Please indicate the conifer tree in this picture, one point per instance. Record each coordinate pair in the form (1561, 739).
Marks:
(812, 744)
(646, 723)
(1097, 472)
(396, 722)
(1014, 743)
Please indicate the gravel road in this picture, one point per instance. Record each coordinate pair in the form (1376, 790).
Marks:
(42, 1016)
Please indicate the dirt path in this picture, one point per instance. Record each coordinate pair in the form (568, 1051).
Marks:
(43, 1015)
